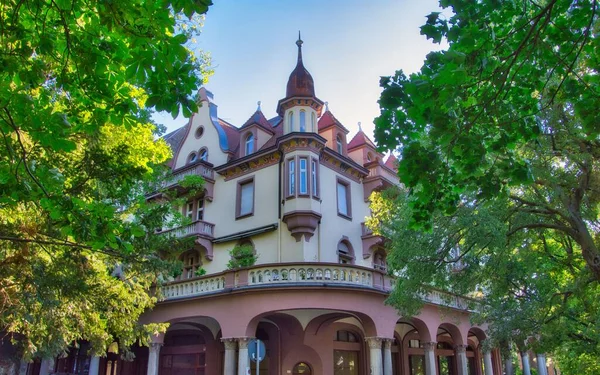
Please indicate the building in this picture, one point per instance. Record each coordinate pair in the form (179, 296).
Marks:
(295, 190)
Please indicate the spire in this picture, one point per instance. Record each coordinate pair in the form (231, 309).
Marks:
(300, 82)
(299, 44)
(258, 103)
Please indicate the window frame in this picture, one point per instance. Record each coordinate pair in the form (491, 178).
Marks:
(306, 176)
(247, 138)
(200, 209)
(290, 177)
(314, 178)
(238, 205)
(339, 144)
(302, 121)
(203, 151)
(291, 120)
(347, 185)
(189, 212)
(348, 257)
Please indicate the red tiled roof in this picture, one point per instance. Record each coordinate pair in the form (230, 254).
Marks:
(233, 135)
(328, 119)
(360, 139)
(392, 162)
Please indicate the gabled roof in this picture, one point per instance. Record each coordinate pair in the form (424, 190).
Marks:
(328, 119)
(259, 119)
(392, 162)
(360, 139)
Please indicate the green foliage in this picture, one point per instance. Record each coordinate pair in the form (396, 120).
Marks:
(499, 141)
(78, 83)
(200, 272)
(242, 256)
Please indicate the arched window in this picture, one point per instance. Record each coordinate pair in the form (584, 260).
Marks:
(192, 158)
(345, 252)
(313, 120)
(291, 120)
(204, 154)
(379, 258)
(249, 145)
(302, 121)
(369, 156)
(338, 144)
(302, 368)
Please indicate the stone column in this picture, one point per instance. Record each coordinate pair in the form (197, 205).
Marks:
(487, 362)
(525, 362)
(430, 360)
(508, 365)
(230, 346)
(47, 366)
(153, 357)
(94, 365)
(375, 355)
(541, 364)
(387, 357)
(243, 360)
(23, 367)
(461, 356)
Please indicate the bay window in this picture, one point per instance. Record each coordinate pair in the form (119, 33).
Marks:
(303, 176)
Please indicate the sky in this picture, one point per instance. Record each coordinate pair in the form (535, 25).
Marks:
(348, 45)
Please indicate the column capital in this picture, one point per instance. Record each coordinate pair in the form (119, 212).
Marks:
(460, 348)
(374, 342)
(429, 345)
(155, 345)
(243, 341)
(230, 343)
(387, 343)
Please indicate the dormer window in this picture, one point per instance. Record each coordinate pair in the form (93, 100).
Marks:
(204, 154)
(303, 121)
(249, 145)
(338, 144)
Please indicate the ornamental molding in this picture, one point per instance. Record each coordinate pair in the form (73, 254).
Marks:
(245, 167)
(343, 167)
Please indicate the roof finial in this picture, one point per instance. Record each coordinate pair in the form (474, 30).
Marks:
(326, 106)
(299, 44)
(258, 104)
(359, 127)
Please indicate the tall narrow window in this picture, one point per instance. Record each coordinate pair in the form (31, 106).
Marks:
(338, 144)
(249, 144)
(291, 120)
(312, 122)
(189, 212)
(303, 176)
(313, 171)
(302, 121)
(291, 177)
(246, 198)
(343, 199)
(200, 210)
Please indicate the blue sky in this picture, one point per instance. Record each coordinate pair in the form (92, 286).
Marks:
(348, 45)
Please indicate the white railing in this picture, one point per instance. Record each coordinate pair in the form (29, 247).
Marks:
(197, 170)
(194, 287)
(197, 227)
(310, 273)
(438, 297)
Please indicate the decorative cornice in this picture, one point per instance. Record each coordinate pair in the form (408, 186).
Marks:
(293, 101)
(301, 141)
(252, 163)
(343, 165)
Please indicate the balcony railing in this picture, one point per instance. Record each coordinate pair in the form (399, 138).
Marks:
(330, 274)
(199, 169)
(198, 227)
(294, 274)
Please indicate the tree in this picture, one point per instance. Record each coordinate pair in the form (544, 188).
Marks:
(79, 79)
(502, 124)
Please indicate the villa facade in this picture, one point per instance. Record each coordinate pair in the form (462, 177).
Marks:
(295, 189)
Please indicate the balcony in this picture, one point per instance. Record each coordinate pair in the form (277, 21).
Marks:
(380, 177)
(202, 230)
(200, 168)
(283, 275)
(369, 241)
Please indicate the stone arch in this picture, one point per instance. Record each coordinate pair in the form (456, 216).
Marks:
(478, 332)
(420, 326)
(454, 332)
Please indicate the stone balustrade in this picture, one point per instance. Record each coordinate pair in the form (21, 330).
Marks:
(199, 169)
(198, 227)
(293, 274)
(299, 273)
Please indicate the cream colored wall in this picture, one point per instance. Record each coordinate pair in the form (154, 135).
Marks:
(261, 138)
(296, 113)
(210, 139)
(333, 227)
(221, 211)
(358, 155)
(328, 135)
